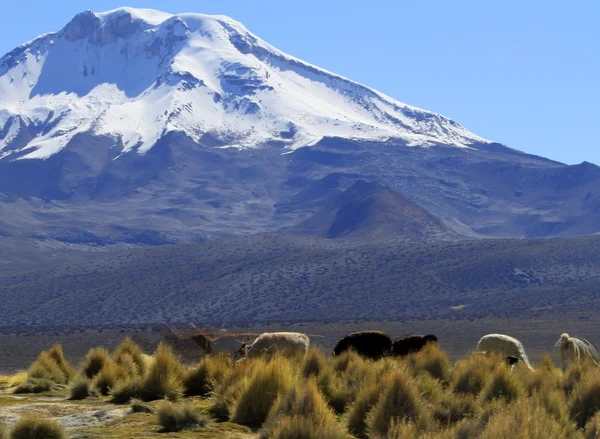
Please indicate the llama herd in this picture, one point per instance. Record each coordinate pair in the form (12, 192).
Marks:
(378, 344)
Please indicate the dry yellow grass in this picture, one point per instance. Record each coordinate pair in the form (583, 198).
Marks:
(10, 381)
(421, 396)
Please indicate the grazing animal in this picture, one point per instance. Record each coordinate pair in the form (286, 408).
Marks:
(214, 346)
(370, 344)
(505, 346)
(413, 343)
(573, 349)
(511, 361)
(288, 344)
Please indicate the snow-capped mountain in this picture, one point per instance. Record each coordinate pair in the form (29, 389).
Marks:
(135, 75)
(142, 127)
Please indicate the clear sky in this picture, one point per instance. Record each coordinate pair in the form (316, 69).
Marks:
(524, 73)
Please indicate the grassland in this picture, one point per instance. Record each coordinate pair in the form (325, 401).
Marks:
(130, 393)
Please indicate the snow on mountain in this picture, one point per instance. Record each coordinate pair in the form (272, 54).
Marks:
(136, 74)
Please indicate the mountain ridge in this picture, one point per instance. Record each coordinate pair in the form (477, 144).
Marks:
(152, 129)
(124, 62)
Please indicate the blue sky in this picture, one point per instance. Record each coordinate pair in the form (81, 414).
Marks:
(524, 73)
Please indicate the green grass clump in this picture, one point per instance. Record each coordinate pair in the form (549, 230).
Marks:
(94, 362)
(80, 389)
(268, 380)
(176, 417)
(33, 427)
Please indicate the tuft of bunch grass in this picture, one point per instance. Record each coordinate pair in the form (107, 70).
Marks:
(470, 376)
(403, 430)
(129, 354)
(94, 362)
(523, 419)
(176, 417)
(164, 378)
(314, 363)
(585, 401)
(365, 401)
(57, 355)
(35, 385)
(399, 402)
(347, 377)
(255, 400)
(125, 391)
(432, 360)
(80, 389)
(304, 401)
(229, 389)
(453, 408)
(108, 377)
(34, 427)
(138, 406)
(202, 379)
(301, 427)
(503, 385)
(592, 429)
(48, 370)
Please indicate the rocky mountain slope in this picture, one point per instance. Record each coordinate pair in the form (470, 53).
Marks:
(135, 127)
(285, 278)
